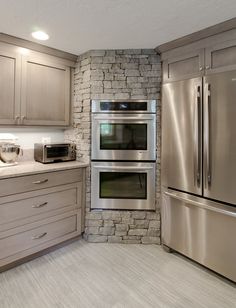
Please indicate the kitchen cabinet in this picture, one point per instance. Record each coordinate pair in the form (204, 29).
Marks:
(185, 66)
(45, 210)
(35, 88)
(10, 65)
(208, 56)
(221, 57)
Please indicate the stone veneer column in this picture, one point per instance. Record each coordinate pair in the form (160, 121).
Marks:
(116, 74)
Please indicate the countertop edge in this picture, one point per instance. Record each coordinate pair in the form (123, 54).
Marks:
(32, 167)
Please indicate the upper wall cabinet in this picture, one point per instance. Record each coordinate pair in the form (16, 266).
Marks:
(35, 88)
(185, 66)
(211, 55)
(45, 96)
(221, 57)
(10, 65)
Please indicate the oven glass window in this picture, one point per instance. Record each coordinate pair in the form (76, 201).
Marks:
(123, 185)
(123, 136)
(57, 152)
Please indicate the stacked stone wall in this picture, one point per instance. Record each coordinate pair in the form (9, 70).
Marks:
(116, 74)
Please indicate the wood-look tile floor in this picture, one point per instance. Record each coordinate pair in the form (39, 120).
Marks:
(113, 275)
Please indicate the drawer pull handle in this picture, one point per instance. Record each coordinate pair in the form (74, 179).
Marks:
(36, 237)
(37, 206)
(40, 182)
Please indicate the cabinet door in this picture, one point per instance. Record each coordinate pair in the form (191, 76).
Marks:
(184, 66)
(9, 87)
(221, 57)
(45, 92)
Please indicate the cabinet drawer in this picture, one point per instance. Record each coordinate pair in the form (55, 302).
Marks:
(28, 239)
(42, 204)
(38, 181)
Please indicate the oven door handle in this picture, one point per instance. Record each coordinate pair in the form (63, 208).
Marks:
(124, 118)
(122, 168)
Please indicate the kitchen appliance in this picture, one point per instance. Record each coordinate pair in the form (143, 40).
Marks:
(123, 154)
(9, 151)
(199, 170)
(123, 185)
(124, 130)
(54, 152)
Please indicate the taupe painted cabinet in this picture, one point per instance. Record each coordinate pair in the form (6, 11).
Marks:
(38, 211)
(35, 88)
(212, 55)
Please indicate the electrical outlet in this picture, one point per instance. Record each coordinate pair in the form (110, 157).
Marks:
(46, 139)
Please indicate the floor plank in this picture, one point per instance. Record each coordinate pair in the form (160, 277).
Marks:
(88, 275)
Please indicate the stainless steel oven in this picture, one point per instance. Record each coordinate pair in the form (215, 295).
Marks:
(124, 130)
(123, 185)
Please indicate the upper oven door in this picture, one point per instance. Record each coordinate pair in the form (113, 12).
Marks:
(124, 137)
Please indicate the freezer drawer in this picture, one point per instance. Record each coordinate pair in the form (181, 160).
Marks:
(200, 229)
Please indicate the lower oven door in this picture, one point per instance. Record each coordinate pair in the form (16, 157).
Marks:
(123, 185)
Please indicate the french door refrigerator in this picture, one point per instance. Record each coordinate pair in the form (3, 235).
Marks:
(199, 170)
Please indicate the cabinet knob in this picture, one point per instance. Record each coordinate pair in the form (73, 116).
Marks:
(207, 67)
(200, 68)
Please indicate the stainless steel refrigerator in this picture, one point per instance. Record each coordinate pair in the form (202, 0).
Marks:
(199, 170)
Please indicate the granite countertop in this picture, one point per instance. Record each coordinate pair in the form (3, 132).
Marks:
(33, 167)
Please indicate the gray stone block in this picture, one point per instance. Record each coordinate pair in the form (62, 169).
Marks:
(107, 84)
(150, 240)
(96, 238)
(92, 230)
(154, 224)
(153, 216)
(118, 84)
(153, 232)
(121, 227)
(128, 221)
(141, 232)
(141, 223)
(109, 76)
(131, 66)
(94, 215)
(131, 241)
(132, 73)
(108, 59)
(96, 60)
(111, 215)
(122, 96)
(107, 230)
(114, 239)
(139, 214)
(132, 51)
(93, 223)
(98, 52)
(109, 223)
(120, 233)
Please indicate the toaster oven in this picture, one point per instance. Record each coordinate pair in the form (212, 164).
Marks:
(54, 152)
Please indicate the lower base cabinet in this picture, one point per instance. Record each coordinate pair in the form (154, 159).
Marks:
(47, 224)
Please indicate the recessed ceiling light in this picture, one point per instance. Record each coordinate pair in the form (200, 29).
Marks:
(40, 35)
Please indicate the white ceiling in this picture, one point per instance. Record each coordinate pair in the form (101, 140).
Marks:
(79, 25)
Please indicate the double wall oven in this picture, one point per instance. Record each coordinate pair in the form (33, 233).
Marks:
(123, 154)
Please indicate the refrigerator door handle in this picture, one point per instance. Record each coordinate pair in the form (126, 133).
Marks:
(201, 205)
(197, 136)
(207, 135)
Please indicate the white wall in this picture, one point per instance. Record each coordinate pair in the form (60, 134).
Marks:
(28, 136)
